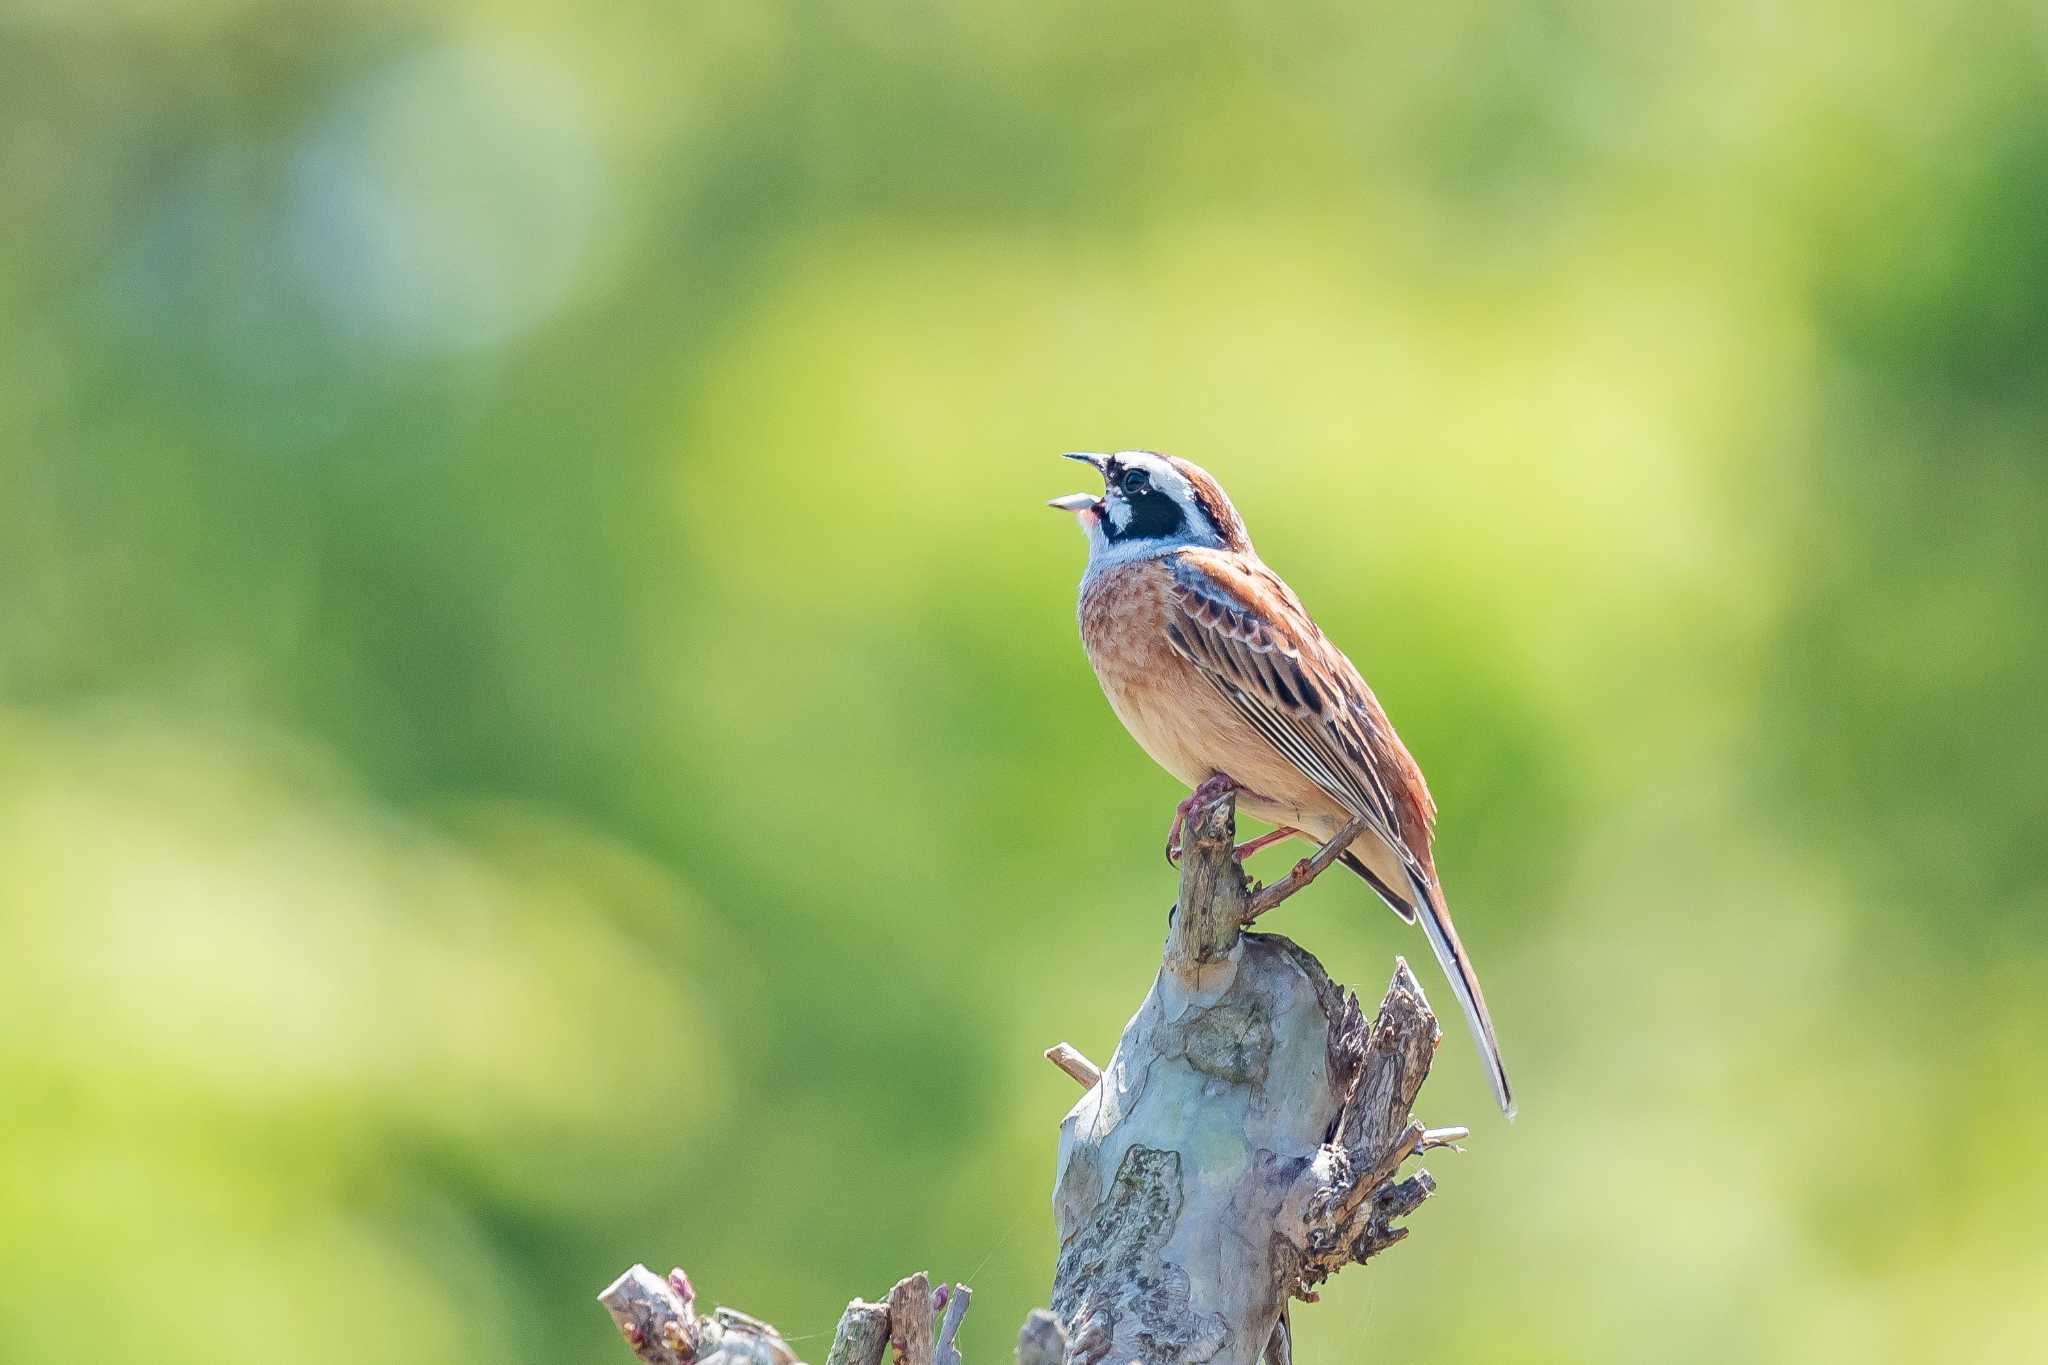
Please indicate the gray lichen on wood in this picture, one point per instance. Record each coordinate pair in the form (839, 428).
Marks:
(1243, 1142)
(1121, 1250)
(1043, 1341)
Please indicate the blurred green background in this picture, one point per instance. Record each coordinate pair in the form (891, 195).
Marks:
(540, 721)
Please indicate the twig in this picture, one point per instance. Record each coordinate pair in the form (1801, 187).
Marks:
(863, 1335)
(1305, 871)
(653, 1319)
(910, 1319)
(658, 1319)
(1068, 1058)
(957, 1299)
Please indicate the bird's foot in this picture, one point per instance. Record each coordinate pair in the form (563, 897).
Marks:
(1208, 791)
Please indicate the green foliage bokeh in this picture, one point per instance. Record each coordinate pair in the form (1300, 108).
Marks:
(539, 711)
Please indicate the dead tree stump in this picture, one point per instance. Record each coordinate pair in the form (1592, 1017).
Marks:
(1244, 1143)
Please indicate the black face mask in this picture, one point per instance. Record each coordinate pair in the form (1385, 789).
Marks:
(1154, 515)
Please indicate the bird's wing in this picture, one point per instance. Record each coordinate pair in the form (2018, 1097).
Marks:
(1249, 634)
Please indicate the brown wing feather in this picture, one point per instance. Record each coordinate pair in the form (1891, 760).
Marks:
(1249, 633)
(1244, 627)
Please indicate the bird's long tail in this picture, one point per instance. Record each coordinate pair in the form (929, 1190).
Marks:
(1450, 954)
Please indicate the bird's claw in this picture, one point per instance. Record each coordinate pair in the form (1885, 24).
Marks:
(1210, 789)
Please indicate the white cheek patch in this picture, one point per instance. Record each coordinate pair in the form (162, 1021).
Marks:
(1118, 511)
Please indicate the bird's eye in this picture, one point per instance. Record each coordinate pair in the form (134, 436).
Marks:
(1135, 481)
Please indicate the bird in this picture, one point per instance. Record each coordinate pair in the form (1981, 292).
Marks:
(1218, 671)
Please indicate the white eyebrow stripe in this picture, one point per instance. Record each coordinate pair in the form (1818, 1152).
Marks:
(1170, 481)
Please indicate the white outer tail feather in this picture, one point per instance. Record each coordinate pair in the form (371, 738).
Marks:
(1450, 955)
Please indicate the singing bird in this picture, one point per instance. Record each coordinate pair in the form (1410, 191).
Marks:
(1218, 671)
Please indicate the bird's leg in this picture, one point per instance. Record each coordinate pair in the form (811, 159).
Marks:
(1305, 871)
(1208, 791)
(1246, 850)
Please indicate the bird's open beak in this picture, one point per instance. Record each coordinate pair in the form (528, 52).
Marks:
(1078, 503)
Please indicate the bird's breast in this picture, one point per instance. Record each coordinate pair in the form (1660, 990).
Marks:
(1170, 707)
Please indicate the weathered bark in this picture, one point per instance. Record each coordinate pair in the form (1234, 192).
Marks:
(1234, 1153)
(863, 1335)
(1244, 1143)
(659, 1321)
